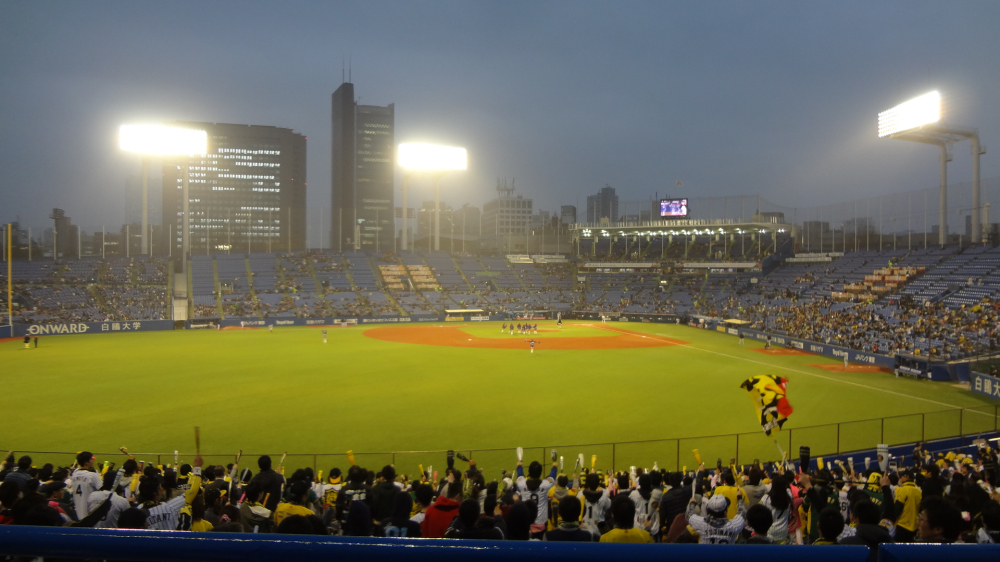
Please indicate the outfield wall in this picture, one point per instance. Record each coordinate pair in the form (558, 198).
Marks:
(73, 328)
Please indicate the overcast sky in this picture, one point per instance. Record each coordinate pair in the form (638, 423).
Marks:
(771, 98)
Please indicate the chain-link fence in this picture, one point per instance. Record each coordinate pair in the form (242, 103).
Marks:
(672, 454)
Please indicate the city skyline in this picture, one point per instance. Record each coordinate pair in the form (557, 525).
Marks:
(774, 98)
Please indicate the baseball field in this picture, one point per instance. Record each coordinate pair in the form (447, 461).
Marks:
(629, 393)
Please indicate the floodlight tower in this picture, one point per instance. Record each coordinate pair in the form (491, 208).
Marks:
(163, 141)
(438, 160)
(919, 120)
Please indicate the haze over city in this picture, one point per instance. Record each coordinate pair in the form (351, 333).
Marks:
(772, 98)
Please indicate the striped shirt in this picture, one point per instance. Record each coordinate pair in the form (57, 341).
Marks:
(84, 482)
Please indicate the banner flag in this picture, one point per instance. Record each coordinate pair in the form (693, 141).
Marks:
(768, 395)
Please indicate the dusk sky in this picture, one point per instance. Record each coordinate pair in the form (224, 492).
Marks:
(732, 98)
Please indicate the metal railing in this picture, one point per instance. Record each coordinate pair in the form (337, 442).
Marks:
(676, 453)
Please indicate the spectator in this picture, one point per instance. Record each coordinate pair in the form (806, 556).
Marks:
(754, 490)
(85, 480)
(908, 498)
(569, 524)
(399, 523)
(714, 527)
(866, 519)
(779, 501)
(297, 503)
(831, 524)
(759, 521)
(596, 504)
(118, 503)
(492, 515)
(299, 524)
(535, 489)
(939, 521)
(359, 520)
(384, 494)
(443, 511)
(519, 520)
(424, 496)
(165, 515)
(356, 489)
(467, 528)
(254, 517)
(20, 474)
(623, 512)
(270, 482)
(132, 518)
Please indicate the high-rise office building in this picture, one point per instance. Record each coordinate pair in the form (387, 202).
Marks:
(247, 194)
(507, 215)
(363, 149)
(567, 214)
(604, 205)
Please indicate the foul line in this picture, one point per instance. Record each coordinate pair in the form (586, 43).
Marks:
(827, 378)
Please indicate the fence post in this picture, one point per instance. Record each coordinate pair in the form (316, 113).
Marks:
(612, 457)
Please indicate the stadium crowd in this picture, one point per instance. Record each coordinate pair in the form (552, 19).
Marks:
(948, 499)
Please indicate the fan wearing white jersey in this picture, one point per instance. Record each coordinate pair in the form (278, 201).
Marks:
(85, 480)
(164, 516)
(118, 503)
(595, 506)
(714, 528)
(536, 489)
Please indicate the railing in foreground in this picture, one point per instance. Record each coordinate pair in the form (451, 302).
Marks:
(163, 546)
(824, 440)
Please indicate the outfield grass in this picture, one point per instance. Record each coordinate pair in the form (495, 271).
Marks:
(287, 391)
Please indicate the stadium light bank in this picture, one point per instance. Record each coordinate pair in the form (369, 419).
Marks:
(437, 160)
(919, 120)
(162, 141)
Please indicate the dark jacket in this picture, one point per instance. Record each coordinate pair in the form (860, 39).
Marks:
(674, 503)
(383, 495)
(271, 482)
(475, 533)
(871, 536)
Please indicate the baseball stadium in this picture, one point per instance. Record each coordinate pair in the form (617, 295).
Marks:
(789, 346)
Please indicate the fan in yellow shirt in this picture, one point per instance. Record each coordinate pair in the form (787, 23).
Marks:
(299, 493)
(623, 510)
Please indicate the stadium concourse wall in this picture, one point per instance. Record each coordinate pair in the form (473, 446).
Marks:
(164, 546)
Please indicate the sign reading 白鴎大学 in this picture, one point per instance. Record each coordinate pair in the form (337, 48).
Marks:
(985, 385)
(74, 328)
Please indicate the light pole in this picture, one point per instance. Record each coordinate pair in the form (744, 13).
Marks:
(418, 157)
(164, 141)
(919, 120)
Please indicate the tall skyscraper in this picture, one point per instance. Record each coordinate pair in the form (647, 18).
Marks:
(604, 205)
(363, 152)
(248, 194)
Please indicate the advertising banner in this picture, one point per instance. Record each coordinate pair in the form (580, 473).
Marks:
(66, 328)
(985, 385)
